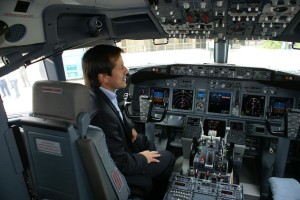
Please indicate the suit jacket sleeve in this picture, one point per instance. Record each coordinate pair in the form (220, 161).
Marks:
(105, 117)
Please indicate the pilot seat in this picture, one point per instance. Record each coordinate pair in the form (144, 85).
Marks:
(68, 158)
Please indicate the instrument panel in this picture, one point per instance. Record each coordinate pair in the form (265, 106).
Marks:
(206, 102)
(236, 100)
(239, 101)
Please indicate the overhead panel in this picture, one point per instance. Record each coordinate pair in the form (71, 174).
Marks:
(218, 19)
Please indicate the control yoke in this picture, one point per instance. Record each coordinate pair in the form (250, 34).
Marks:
(291, 123)
(146, 109)
(281, 133)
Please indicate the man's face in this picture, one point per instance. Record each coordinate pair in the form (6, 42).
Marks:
(117, 80)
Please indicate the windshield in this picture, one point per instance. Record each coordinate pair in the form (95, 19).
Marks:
(279, 56)
(268, 54)
(16, 88)
(274, 55)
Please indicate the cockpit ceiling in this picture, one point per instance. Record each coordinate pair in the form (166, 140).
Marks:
(217, 19)
(34, 22)
(29, 21)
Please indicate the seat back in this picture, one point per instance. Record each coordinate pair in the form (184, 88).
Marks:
(55, 137)
(12, 183)
(97, 162)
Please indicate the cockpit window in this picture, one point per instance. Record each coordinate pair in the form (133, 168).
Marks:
(183, 50)
(72, 64)
(16, 89)
(274, 55)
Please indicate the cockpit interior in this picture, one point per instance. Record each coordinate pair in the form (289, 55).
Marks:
(234, 128)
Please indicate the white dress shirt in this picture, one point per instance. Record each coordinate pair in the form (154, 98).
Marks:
(113, 98)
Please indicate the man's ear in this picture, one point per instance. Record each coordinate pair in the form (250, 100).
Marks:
(102, 78)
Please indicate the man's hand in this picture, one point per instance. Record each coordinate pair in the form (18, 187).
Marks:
(151, 156)
(134, 134)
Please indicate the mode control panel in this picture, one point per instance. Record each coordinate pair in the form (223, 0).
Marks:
(221, 72)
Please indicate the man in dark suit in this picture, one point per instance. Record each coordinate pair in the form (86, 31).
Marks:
(144, 168)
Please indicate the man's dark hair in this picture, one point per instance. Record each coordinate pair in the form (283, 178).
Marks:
(99, 60)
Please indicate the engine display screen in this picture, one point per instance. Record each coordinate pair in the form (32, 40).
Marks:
(159, 96)
(219, 102)
(279, 105)
(253, 105)
(214, 125)
(182, 99)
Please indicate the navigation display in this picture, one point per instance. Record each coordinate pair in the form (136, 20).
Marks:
(219, 102)
(279, 105)
(253, 105)
(159, 96)
(182, 99)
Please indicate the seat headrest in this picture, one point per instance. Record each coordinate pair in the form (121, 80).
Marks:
(59, 100)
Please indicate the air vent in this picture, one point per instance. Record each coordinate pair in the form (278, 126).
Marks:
(22, 6)
(15, 33)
